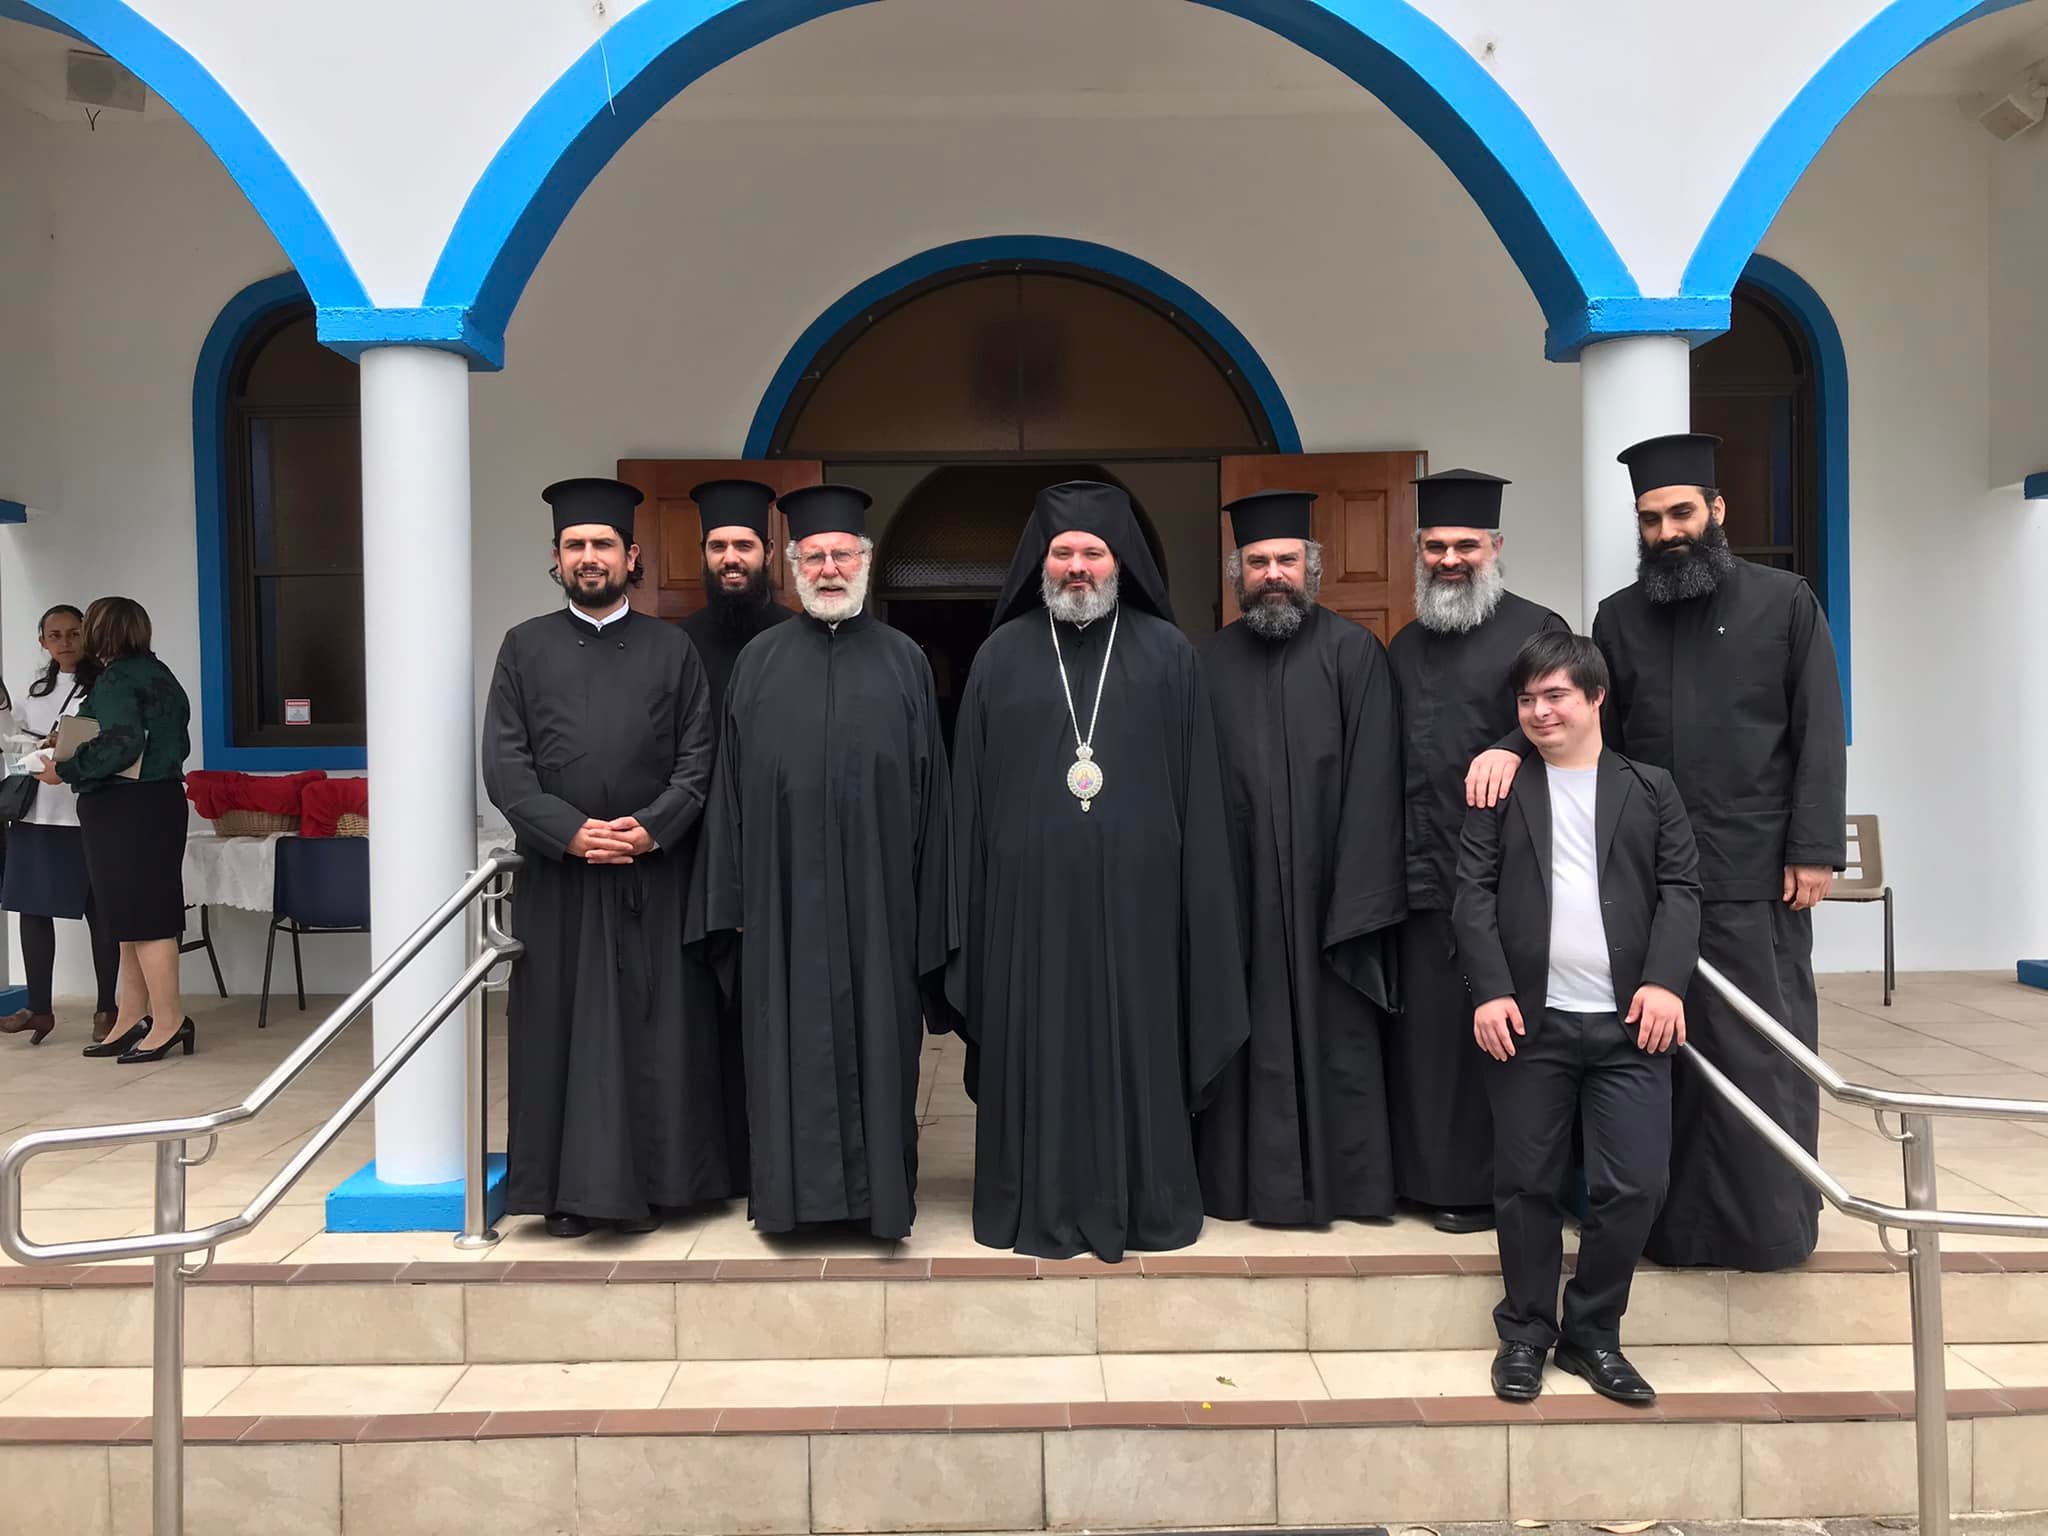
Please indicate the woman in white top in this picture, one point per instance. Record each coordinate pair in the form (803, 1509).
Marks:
(44, 878)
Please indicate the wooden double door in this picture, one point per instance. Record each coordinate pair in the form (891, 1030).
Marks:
(1364, 519)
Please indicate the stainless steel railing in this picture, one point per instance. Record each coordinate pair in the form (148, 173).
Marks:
(479, 902)
(1920, 1215)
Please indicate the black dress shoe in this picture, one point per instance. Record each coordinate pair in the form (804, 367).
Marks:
(1607, 1372)
(1518, 1372)
(639, 1226)
(1465, 1218)
(186, 1035)
(115, 1045)
(567, 1224)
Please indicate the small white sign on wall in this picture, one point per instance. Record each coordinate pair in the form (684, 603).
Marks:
(298, 711)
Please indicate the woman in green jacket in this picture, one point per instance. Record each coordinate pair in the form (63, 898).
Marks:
(130, 779)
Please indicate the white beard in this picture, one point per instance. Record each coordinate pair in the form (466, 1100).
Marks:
(1456, 608)
(1078, 607)
(832, 607)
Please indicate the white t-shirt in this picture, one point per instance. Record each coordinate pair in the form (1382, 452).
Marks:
(56, 804)
(1581, 978)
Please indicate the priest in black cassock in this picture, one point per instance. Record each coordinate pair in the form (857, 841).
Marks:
(827, 843)
(1452, 667)
(597, 749)
(1724, 675)
(1309, 727)
(1099, 979)
(739, 602)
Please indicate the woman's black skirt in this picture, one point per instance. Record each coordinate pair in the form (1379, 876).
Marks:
(135, 858)
(45, 874)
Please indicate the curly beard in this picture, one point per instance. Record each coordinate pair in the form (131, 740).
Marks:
(1458, 607)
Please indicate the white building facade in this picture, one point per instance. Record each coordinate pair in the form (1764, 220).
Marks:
(560, 237)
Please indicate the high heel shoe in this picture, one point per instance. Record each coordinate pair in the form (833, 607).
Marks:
(114, 1044)
(187, 1036)
(34, 1025)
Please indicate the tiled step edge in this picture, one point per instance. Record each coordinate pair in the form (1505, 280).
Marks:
(1427, 1412)
(671, 1271)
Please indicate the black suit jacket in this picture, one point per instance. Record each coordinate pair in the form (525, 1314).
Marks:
(1649, 886)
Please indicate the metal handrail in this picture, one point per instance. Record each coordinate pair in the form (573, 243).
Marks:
(1920, 1215)
(478, 901)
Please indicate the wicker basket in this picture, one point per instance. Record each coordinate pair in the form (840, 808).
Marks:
(253, 823)
(349, 824)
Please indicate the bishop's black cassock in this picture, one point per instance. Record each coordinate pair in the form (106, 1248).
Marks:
(614, 1052)
(827, 843)
(1100, 976)
(1736, 694)
(1311, 748)
(1455, 703)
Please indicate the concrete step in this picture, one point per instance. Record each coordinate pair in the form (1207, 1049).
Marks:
(998, 1443)
(481, 1312)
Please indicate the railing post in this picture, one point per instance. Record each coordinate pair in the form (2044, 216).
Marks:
(167, 1384)
(1930, 1365)
(477, 1231)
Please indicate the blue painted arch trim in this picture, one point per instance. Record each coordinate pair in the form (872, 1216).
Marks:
(249, 310)
(1809, 312)
(185, 86)
(1405, 59)
(1790, 144)
(1107, 260)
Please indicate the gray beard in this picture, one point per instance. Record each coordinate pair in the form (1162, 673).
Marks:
(1274, 620)
(1457, 607)
(833, 610)
(1679, 575)
(1078, 607)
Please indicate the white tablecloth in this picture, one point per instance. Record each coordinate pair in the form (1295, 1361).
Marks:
(240, 871)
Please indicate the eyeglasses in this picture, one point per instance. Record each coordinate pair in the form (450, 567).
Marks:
(842, 559)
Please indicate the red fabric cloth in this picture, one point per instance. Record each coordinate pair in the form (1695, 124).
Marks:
(214, 792)
(326, 802)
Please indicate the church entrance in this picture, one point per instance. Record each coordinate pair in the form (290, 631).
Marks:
(958, 398)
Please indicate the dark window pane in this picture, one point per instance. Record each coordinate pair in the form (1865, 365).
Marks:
(290, 367)
(306, 501)
(1754, 388)
(302, 621)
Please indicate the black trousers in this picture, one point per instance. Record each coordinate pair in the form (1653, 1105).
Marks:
(1588, 1064)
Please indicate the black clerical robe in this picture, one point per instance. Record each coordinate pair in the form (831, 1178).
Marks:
(613, 1048)
(1737, 695)
(1309, 730)
(1455, 702)
(719, 638)
(827, 843)
(1100, 977)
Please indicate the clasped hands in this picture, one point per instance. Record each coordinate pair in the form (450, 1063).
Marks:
(1657, 1012)
(620, 841)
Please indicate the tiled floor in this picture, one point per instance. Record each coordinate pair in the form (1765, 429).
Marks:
(282, 1390)
(1957, 1032)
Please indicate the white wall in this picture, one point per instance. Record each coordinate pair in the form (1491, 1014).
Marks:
(1385, 308)
(1892, 226)
(2019, 308)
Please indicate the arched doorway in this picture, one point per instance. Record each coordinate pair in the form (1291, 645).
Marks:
(958, 398)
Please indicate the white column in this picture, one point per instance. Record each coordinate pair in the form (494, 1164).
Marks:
(420, 673)
(1630, 388)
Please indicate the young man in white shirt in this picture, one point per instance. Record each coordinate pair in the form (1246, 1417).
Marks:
(1577, 917)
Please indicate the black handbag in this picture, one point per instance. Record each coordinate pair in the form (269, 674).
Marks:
(17, 797)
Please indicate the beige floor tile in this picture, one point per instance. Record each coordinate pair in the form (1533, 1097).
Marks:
(1125, 1479)
(1162, 1314)
(1617, 1472)
(1021, 1317)
(1211, 1377)
(1357, 1476)
(384, 1248)
(331, 1389)
(1402, 1312)
(51, 1489)
(237, 1490)
(1408, 1373)
(505, 1323)
(1677, 1368)
(117, 1392)
(13, 1380)
(21, 1327)
(2008, 1084)
(1994, 1309)
(748, 1320)
(777, 1384)
(443, 1488)
(1914, 1062)
(2008, 1469)
(100, 1325)
(1791, 1470)
(1800, 1308)
(694, 1485)
(550, 1388)
(996, 1379)
(2010, 1365)
(1850, 1367)
(959, 1482)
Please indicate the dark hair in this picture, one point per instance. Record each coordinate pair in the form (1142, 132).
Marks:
(1559, 650)
(115, 629)
(46, 685)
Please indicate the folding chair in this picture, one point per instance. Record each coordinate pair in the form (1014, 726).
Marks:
(321, 885)
(1863, 880)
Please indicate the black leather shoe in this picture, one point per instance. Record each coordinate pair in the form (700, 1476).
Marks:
(1607, 1372)
(1518, 1372)
(115, 1045)
(1465, 1218)
(567, 1224)
(186, 1035)
(639, 1226)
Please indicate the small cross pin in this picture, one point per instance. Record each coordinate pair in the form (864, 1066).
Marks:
(1720, 629)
